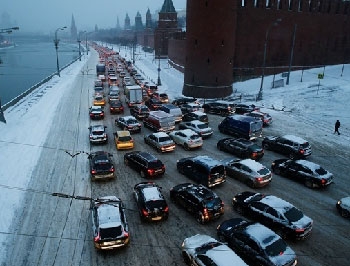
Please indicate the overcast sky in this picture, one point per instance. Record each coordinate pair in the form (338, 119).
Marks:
(48, 15)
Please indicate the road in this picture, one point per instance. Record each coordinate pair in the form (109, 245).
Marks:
(57, 231)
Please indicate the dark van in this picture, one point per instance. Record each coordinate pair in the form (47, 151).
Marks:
(241, 126)
(203, 170)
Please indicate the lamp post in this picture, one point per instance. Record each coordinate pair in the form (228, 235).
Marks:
(56, 41)
(158, 80)
(291, 54)
(79, 41)
(264, 60)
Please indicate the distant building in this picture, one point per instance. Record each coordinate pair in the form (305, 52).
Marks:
(138, 22)
(73, 30)
(127, 25)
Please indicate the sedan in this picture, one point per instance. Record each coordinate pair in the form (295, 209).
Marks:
(248, 171)
(242, 148)
(99, 100)
(150, 202)
(160, 141)
(309, 173)
(199, 127)
(187, 138)
(343, 206)
(275, 213)
(256, 243)
(128, 123)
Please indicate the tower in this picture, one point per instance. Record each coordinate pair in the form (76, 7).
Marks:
(148, 19)
(138, 22)
(73, 30)
(209, 48)
(127, 22)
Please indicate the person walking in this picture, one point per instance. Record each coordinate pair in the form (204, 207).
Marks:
(336, 127)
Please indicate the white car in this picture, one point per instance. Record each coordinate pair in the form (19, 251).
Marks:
(187, 138)
(205, 250)
(197, 126)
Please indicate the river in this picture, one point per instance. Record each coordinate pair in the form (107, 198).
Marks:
(30, 61)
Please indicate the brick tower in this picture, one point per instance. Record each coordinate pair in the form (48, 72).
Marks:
(209, 48)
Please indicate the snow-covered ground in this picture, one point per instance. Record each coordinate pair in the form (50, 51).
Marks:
(304, 103)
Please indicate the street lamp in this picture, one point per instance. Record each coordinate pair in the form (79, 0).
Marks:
(291, 54)
(56, 41)
(264, 60)
(158, 81)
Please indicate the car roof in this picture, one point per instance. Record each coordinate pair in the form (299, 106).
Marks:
(98, 127)
(151, 193)
(188, 132)
(146, 155)
(261, 234)
(199, 191)
(206, 160)
(252, 164)
(295, 139)
(128, 117)
(311, 165)
(277, 203)
(160, 134)
(199, 113)
(197, 122)
(123, 133)
(109, 215)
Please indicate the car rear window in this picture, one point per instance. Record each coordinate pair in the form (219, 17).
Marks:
(304, 145)
(155, 164)
(155, 204)
(124, 138)
(194, 137)
(110, 233)
(293, 214)
(263, 171)
(201, 126)
(97, 132)
(276, 248)
(220, 169)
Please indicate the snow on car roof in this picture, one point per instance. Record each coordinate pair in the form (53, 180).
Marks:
(199, 113)
(211, 162)
(128, 117)
(261, 234)
(312, 166)
(188, 132)
(97, 128)
(295, 139)
(224, 256)
(160, 134)
(108, 213)
(254, 165)
(151, 193)
(278, 204)
(197, 122)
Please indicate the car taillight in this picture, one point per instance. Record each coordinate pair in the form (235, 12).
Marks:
(93, 171)
(222, 204)
(126, 234)
(323, 181)
(166, 209)
(163, 167)
(144, 212)
(254, 154)
(102, 114)
(97, 238)
(299, 230)
(205, 211)
(301, 151)
(150, 171)
(259, 179)
(112, 169)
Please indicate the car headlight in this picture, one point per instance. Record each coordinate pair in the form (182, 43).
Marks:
(339, 202)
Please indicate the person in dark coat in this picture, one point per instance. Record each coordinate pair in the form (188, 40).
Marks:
(336, 127)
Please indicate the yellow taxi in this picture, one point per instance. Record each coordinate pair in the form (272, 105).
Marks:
(123, 140)
(99, 100)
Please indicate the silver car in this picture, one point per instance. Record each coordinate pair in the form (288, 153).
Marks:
(187, 138)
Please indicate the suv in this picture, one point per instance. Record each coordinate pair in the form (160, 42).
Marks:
(159, 121)
(150, 202)
(153, 104)
(128, 123)
(139, 111)
(98, 134)
(183, 100)
(292, 146)
(203, 203)
(196, 115)
(109, 225)
(241, 148)
(145, 163)
(275, 213)
(160, 141)
(219, 107)
(96, 112)
(101, 166)
(205, 250)
(202, 169)
(256, 243)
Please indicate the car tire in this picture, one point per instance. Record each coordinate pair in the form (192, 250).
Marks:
(277, 171)
(186, 258)
(142, 174)
(250, 183)
(266, 146)
(126, 162)
(345, 213)
(219, 147)
(308, 183)
(186, 147)
(200, 218)
(180, 169)
(238, 209)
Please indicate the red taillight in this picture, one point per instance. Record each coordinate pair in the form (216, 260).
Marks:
(112, 169)
(222, 204)
(150, 171)
(97, 238)
(102, 114)
(259, 179)
(205, 211)
(299, 230)
(166, 209)
(126, 234)
(323, 181)
(144, 212)
(254, 154)
(93, 171)
(302, 151)
(163, 167)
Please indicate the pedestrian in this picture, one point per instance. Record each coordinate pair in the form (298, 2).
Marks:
(336, 127)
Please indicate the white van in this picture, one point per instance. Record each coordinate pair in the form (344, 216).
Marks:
(173, 110)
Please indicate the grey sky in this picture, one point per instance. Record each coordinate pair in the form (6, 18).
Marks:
(48, 15)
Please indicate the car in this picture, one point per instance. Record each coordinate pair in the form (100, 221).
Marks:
(203, 169)
(343, 207)
(128, 123)
(127, 81)
(99, 100)
(153, 104)
(139, 111)
(163, 97)
(99, 90)
(160, 141)
(122, 74)
(183, 100)
(293, 146)
(248, 171)
(219, 107)
(109, 224)
(113, 95)
(264, 117)
(255, 243)
(310, 174)
(277, 214)
(242, 108)
(96, 112)
(101, 165)
(196, 115)
(197, 126)
(116, 107)
(241, 148)
(123, 140)
(150, 201)
(207, 251)
(190, 107)
(98, 83)
(187, 138)
(199, 200)
(145, 163)
(98, 134)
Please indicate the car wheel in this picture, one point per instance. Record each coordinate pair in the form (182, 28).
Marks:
(266, 146)
(281, 233)
(200, 218)
(126, 162)
(345, 213)
(292, 156)
(181, 169)
(186, 258)
(142, 174)
(219, 147)
(186, 147)
(309, 183)
(251, 183)
(238, 209)
(277, 171)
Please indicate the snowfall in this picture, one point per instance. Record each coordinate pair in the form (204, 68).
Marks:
(307, 100)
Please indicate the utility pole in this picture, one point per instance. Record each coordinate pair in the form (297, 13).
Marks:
(291, 53)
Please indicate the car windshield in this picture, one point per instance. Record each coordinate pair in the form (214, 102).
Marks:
(293, 214)
(98, 98)
(201, 126)
(131, 121)
(276, 248)
(321, 171)
(103, 165)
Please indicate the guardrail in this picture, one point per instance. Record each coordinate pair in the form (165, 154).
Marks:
(31, 89)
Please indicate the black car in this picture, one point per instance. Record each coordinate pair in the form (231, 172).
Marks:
(182, 100)
(150, 202)
(203, 203)
(219, 107)
(241, 148)
(343, 207)
(145, 163)
(255, 243)
(242, 108)
(292, 146)
(153, 104)
(309, 173)
(109, 225)
(96, 112)
(275, 213)
(116, 107)
(128, 123)
(101, 165)
(139, 111)
(196, 115)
